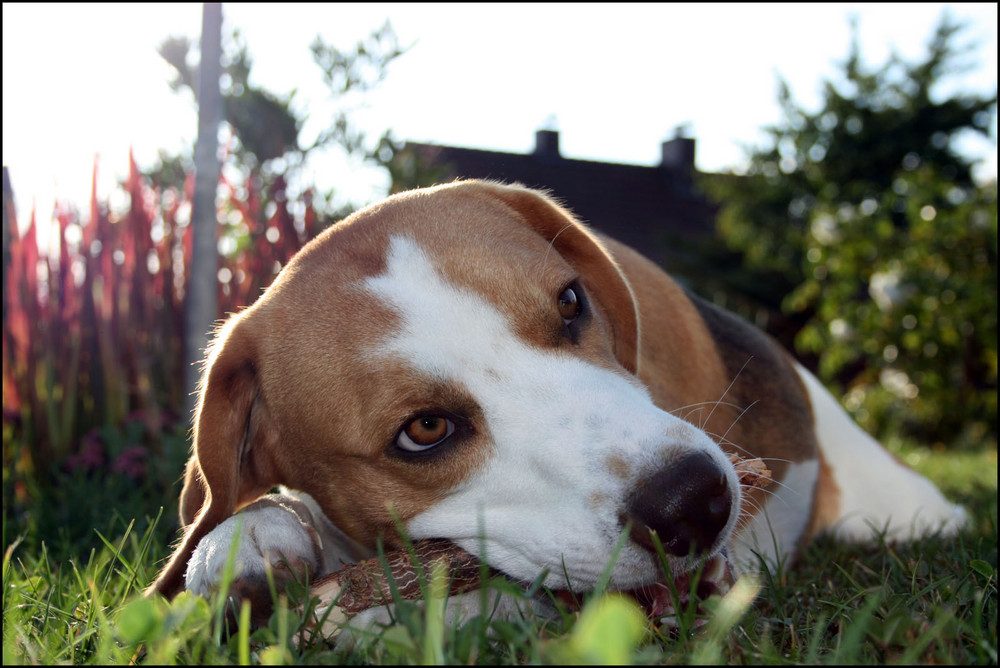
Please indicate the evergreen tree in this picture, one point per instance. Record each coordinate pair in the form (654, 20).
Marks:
(866, 223)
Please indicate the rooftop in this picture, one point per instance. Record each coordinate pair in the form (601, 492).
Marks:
(655, 209)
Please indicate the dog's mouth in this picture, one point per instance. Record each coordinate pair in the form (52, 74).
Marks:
(357, 587)
(664, 599)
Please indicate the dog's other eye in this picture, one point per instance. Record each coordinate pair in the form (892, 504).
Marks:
(425, 432)
(570, 305)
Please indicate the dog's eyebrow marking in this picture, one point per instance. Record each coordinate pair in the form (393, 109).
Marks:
(430, 335)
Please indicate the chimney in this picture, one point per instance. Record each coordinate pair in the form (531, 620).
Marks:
(547, 145)
(677, 154)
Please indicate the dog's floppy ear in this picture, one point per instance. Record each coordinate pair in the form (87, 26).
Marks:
(233, 438)
(582, 249)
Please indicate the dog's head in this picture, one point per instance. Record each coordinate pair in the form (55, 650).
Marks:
(462, 359)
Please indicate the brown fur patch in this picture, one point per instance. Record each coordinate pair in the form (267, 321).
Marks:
(826, 500)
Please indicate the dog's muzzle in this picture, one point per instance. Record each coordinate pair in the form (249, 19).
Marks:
(687, 505)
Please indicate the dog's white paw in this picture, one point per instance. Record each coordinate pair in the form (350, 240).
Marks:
(272, 536)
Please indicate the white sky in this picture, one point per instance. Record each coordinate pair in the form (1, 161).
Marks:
(80, 80)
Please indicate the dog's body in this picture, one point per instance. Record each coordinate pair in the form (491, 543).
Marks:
(471, 361)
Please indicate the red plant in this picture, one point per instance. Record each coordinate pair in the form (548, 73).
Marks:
(95, 333)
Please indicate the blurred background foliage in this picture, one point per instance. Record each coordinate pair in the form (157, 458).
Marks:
(865, 245)
(264, 129)
(858, 238)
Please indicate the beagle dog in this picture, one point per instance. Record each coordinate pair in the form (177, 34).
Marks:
(470, 362)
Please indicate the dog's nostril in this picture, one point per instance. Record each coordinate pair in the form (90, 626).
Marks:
(687, 504)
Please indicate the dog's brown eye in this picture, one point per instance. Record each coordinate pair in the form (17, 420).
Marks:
(425, 432)
(569, 305)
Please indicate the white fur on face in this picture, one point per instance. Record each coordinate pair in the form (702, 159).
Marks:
(569, 439)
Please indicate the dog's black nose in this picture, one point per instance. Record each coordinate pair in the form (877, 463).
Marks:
(687, 504)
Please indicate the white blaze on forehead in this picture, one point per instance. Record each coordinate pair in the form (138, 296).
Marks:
(444, 330)
(547, 496)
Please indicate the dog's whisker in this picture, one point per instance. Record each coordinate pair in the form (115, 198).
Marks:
(780, 460)
(783, 486)
(702, 404)
(687, 416)
(771, 492)
(749, 499)
(745, 452)
(733, 382)
(738, 417)
(732, 444)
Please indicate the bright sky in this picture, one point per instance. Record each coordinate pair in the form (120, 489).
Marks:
(80, 79)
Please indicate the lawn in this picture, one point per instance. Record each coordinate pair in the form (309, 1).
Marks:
(71, 595)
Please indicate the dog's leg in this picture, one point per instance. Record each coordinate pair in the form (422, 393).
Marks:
(870, 490)
(285, 533)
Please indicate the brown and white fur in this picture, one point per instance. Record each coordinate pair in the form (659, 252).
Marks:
(566, 416)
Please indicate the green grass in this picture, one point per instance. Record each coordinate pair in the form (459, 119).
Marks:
(75, 600)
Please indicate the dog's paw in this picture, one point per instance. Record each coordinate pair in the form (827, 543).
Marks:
(272, 536)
